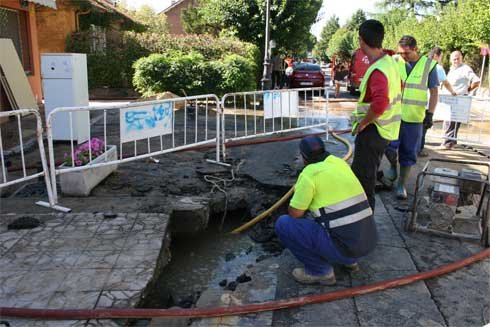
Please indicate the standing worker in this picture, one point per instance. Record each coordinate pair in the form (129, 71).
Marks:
(339, 227)
(376, 120)
(434, 54)
(463, 80)
(418, 75)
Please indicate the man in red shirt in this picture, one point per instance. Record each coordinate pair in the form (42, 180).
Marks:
(377, 116)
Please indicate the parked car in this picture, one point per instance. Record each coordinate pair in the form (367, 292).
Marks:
(358, 67)
(307, 75)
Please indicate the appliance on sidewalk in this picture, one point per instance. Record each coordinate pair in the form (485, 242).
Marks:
(452, 203)
(65, 84)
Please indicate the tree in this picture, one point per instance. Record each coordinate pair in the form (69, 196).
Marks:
(356, 20)
(328, 31)
(290, 20)
(342, 44)
(146, 15)
(394, 21)
(419, 7)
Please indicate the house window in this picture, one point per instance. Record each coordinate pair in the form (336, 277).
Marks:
(14, 25)
(98, 39)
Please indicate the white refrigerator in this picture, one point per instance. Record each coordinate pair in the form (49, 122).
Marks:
(65, 84)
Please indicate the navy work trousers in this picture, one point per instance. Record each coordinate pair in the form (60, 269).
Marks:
(408, 143)
(310, 244)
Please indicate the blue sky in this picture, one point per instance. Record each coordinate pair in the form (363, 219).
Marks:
(342, 8)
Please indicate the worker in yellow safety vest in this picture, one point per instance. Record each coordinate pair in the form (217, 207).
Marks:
(418, 74)
(376, 120)
(329, 219)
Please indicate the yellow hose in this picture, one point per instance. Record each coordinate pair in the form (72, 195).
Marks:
(286, 196)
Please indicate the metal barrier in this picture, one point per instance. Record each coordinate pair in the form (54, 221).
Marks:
(474, 130)
(138, 130)
(19, 154)
(260, 113)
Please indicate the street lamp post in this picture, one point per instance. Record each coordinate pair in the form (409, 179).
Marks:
(266, 79)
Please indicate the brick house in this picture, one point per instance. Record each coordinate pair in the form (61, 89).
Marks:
(173, 14)
(101, 17)
(18, 23)
(42, 26)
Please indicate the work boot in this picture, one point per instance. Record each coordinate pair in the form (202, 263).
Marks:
(392, 173)
(300, 275)
(352, 268)
(401, 191)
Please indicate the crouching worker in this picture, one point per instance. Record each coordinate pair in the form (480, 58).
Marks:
(339, 226)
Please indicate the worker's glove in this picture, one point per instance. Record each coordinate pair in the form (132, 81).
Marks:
(428, 120)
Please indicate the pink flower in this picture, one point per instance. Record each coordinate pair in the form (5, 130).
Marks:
(95, 147)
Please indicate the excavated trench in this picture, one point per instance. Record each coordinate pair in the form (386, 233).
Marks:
(194, 248)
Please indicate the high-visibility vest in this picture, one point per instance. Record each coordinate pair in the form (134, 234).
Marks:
(340, 206)
(388, 124)
(414, 93)
(339, 195)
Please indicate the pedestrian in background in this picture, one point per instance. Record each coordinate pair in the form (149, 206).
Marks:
(463, 80)
(329, 219)
(276, 71)
(339, 76)
(376, 120)
(437, 55)
(418, 74)
(289, 70)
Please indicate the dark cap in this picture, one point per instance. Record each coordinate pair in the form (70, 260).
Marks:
(312, 149)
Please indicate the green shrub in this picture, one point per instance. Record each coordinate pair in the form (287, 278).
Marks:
(191, 74)
(238, 74)
(196, 64)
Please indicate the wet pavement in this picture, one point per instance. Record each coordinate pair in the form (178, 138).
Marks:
(37, 269)
(80, 261)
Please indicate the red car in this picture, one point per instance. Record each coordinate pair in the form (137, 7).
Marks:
(307, 75)
(358, 67)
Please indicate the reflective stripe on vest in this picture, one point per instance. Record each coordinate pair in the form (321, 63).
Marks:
(414, 99)
(388, 124)
(345, 212)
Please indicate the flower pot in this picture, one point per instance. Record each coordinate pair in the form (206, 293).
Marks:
(81, 182)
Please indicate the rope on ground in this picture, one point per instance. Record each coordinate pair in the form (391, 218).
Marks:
(215, 181)
(286, 196)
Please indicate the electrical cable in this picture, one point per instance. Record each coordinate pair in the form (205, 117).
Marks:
(215, 180)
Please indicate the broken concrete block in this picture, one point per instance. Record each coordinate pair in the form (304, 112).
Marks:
(189, 216)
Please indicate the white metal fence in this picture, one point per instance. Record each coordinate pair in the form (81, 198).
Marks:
(17, 158)
(476, 131)
(260, 113)
(145, 129)
(139, 130)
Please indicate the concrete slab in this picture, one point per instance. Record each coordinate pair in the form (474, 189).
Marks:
(67, 262)
(406, 306)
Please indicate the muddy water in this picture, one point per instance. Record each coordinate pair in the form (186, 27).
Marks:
(197, 261)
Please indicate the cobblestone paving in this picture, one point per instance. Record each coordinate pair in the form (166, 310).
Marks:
(79, 261)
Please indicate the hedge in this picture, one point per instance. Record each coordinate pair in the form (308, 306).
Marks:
(115, 67)
(192, 74)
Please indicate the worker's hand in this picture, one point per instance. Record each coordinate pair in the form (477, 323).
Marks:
(454, 93)
(428, 120)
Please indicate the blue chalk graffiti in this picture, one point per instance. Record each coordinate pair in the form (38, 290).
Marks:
(273, 95)
(139, 120)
